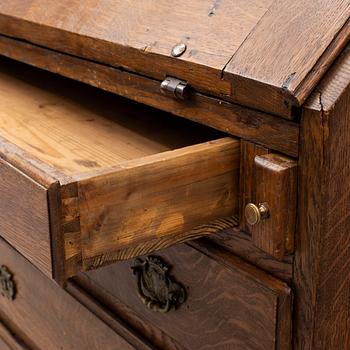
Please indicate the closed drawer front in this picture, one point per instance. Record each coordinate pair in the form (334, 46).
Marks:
(229, 305)
(44, 316)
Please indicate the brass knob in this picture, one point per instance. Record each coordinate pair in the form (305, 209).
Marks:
(255, 213)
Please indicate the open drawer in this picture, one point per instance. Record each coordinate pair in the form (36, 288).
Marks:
(89, 178)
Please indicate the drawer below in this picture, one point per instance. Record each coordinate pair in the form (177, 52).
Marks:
(46, 317)
(229, 305)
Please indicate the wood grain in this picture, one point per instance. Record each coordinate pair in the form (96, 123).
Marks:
(44, 122)
(261, 128)
(9, 340)
(281, 51)
(275, 184)
(240, 244)
(117, 310)
(24, 216)
(222, 38)
(113, 321)
(232, 299)
(46, 317)
(135, 37)
(169, 194)
(321, 264)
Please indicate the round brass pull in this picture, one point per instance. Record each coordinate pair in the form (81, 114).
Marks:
(255, 213)
(155, 287)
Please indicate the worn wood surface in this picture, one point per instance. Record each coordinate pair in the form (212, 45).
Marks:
(169, 194)
(113, 321)
(261, 128)
(9, 340)
(275, 184)
(85, 292)
(41, 113)
(225, 41)
(322, 280)
(46, 317)
(24, 216)
(232, 299)
(135, 37)
(282, 50)
(240, 244)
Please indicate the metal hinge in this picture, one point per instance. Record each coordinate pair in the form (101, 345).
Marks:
(175, 87)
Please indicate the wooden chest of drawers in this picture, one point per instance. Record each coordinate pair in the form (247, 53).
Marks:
(124, 226)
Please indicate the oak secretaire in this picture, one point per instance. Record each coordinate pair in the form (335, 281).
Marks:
(124, 226)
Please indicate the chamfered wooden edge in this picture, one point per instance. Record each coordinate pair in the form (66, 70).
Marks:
(282, 66)
(52, 180)
(258, 127)
(321, 268)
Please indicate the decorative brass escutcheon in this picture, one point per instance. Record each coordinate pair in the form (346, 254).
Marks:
(7, 285)
(255, 213)
(156, 288)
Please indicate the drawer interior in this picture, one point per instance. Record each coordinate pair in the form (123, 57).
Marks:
(76, 128)
(128, 179)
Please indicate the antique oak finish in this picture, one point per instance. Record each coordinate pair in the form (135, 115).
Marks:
(225, 39)
(221, 295)
(261, 128)
(45, 317)
(225, 231)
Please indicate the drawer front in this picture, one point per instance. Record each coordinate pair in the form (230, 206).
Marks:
(24, 215)
(44, 315)
(230, 304)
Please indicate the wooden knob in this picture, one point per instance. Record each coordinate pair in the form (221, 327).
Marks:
(255, 213)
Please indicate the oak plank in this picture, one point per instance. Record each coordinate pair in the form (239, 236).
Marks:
(134, 37)
(261, 128)
(323, 248)
(282, 50)
(169, 194)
